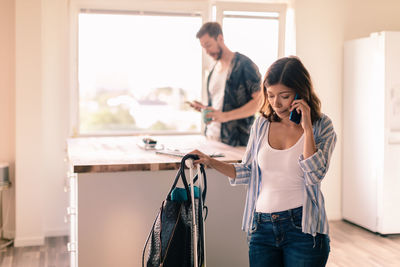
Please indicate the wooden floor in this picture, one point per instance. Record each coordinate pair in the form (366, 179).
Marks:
(351, 246)
(52, 254)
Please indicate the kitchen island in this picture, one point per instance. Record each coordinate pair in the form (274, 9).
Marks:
(116, 188)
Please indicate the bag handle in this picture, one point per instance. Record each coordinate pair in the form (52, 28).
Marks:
(181, 174)
(182, 170)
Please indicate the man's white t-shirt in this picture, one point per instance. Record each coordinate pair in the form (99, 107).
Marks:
(216, 88)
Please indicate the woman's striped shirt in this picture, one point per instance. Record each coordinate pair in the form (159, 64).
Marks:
(314, 169)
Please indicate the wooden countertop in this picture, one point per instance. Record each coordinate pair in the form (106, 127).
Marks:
(115, 154)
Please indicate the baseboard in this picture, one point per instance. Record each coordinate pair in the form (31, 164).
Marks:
(57, 232)
(34, 241)
(29, 241)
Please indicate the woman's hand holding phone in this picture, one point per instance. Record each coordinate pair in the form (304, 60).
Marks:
(300, 107)
(294, 115)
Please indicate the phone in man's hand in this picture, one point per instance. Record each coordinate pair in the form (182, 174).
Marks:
(196, 105)
(294, 115)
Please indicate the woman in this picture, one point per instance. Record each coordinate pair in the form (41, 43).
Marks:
(283, 166)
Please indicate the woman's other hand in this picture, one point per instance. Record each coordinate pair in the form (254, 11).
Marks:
(203, 158)
(222, 167)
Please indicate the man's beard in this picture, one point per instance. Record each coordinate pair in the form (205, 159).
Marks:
(217, 55)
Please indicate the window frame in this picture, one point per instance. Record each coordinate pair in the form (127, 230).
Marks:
(281, 9)
(118, 7)
(204, 8)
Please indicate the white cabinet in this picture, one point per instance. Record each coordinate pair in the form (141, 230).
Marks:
(71, 188)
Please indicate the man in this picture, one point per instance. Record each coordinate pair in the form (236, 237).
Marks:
(233, 89)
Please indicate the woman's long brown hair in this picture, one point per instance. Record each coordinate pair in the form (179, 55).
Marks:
(289, 71)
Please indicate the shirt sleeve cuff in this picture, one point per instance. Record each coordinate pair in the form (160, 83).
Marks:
(242, 175)
(312, 163)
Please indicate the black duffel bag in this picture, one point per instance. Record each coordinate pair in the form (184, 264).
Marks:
(170, 241)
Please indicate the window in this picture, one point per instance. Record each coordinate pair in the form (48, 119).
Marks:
(254, 30)
(250, 33)
(136, 71)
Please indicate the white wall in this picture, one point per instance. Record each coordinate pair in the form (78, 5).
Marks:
(42, 96)
(365, 16)
(55, 109)
(319, 32)
(7, 108)
(29, 167)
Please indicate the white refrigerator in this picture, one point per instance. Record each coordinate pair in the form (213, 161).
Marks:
(371, 132)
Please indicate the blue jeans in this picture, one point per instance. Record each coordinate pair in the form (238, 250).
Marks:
(276, 240)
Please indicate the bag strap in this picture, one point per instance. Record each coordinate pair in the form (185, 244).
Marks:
(182, 171)
(181, 174)
(204, 192)
(178, 175)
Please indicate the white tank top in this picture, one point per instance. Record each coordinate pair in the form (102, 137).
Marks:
(282, 184)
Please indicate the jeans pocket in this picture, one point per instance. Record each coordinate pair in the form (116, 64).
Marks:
(296, 222)
(325, 242)
(254, 225)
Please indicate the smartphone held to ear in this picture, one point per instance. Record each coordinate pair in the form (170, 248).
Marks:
(294, 115)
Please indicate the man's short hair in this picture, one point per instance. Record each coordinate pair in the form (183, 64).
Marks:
(213, 29)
